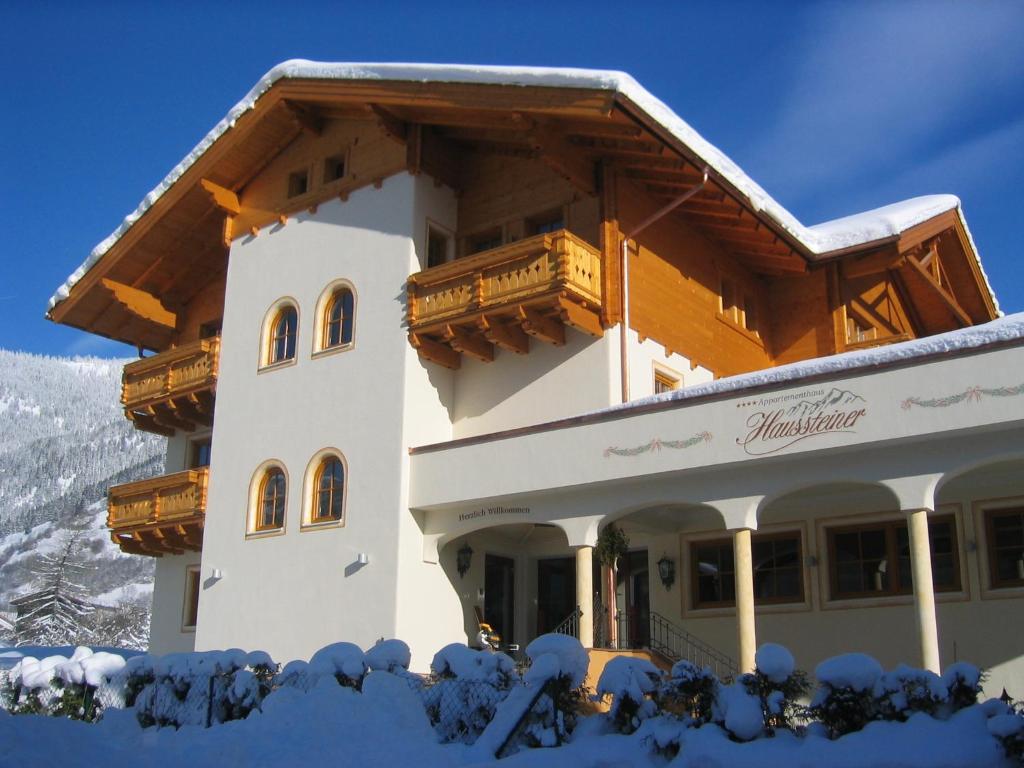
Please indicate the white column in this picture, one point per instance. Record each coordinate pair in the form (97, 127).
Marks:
(744, 564)
(585, 594)
(924, 589)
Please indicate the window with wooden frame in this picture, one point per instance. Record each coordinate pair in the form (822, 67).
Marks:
(339, 319)
(270, 500)
(778, 570)
(484, 241)
(873, 559)
(298, 183)
(190, 607)
(439, 246)
(329, 491)
(199, 452)
(543, 223)
(334, 168)
(1004, 535)
(283, 332)
(664, 381)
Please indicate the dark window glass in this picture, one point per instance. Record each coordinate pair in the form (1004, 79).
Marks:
(714, 575)
(282, 342)
(298, 183)
(330, 490)
(191, 598)
(200, 454)
(334, 168)
(272, 495)
(437, 248)
(874, 560)
(777, 569)
(339, 319)
(1006, 547)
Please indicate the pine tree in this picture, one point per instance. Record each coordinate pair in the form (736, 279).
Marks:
(57, 614)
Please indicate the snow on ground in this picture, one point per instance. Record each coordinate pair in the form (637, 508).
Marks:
(386, 724)
(821, 239)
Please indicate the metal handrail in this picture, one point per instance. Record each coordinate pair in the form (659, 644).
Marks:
(570, 625)
(676, 644)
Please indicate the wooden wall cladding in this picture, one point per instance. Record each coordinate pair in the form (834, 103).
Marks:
(206, 307)
(801, 317)
(370, 155)
(501, 191)
(675, 279)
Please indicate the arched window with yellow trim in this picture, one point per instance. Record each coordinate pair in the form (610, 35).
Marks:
(271, 500)
(339, 319)
(282, 335)
(329, 491)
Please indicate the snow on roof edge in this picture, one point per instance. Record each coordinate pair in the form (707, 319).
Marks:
(1005, 329)
(819, 239)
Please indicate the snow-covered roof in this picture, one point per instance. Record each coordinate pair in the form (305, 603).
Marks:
(1006, 329)
(818, 240)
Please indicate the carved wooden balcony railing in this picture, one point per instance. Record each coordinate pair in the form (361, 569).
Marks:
(174, 389)
(162, 515)
(502, 297)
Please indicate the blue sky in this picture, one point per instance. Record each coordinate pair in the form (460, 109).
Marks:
(831, 107)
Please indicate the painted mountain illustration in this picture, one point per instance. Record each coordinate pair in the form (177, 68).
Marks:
(834, 398)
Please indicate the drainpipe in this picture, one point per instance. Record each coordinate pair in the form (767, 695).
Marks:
(624, 268)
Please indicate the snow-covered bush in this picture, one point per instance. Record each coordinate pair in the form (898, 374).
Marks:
(632, 684)
(778, 685)
(558, 664)
(1006, 724)
(389, 656)
(61, 686)
(904, 690)
(689, 691)
(738, 712)
(345, 661)
(199, 688)
(845, 701)
(467, 687)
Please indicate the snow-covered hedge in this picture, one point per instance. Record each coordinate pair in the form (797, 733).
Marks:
(78, 687)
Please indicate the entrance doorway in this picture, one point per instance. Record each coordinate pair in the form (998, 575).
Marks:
(556, 592)
(500, 595)
(633, 595)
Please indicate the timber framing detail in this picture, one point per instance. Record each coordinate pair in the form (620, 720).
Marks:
(159, 516)
(174, 389)
(503, 296)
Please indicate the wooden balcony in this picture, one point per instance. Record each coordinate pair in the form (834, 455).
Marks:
(501, 297)
(174, 389)
(159, 516)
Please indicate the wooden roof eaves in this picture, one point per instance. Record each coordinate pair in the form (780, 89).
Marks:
(637, 113)
(177, 190)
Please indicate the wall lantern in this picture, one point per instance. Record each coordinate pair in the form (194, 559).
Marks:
(667, 571)
(463, 558)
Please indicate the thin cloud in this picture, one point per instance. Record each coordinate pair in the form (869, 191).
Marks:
(884, 81)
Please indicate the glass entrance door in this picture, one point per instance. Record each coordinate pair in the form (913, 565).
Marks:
(556, 592)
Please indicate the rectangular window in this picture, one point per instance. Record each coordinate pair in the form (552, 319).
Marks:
(438, 247)
(873, 560)
(550, 221)
(190, 612)
(749, 313)
(1005, 538)
(334, 168)
(664, 382)
(484, 241)
(298, 183)
(729, 299)
(199, 453)
(778, 570)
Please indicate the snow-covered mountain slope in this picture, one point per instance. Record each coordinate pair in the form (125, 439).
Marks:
(63, 441)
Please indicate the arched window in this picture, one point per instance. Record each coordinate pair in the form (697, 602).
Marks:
(282, 335)
(338, 319)
(271, 500)
(329, 493)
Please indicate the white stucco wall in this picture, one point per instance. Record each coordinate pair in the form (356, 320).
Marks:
(165, 631)
(297, 590)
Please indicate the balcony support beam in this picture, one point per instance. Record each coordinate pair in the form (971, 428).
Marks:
(472, 344)
(435, 352)
(505, 335)
(540, 327)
